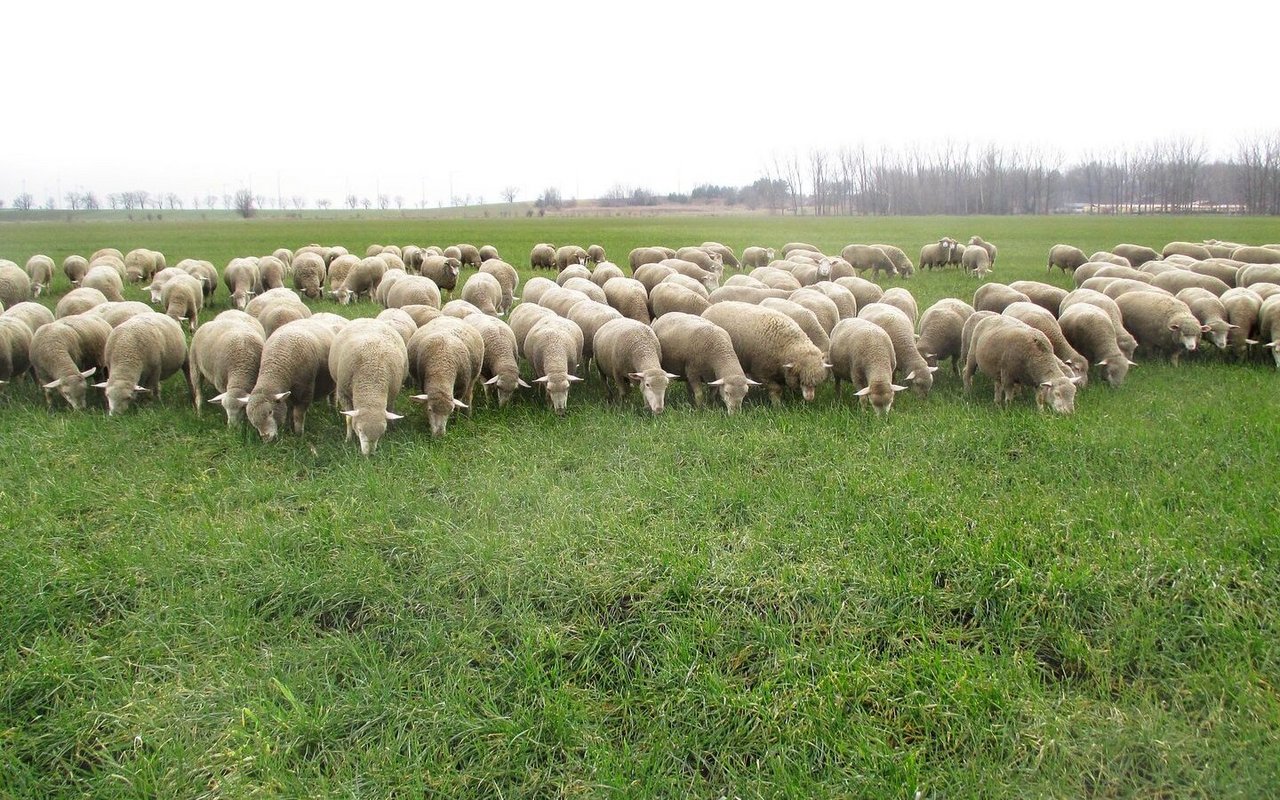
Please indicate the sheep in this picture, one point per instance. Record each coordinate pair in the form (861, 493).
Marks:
(536, 287)
(141, 353)
(442, 271)
(420, 314)
(626, 352)
(469, 255)
(277, 315)
(74, 267)
(226, 352)
(116, 313)
(790, 246)
(1013, 354)
(1256, 255)
(141, 264)
(976, 261)
(107, 251)
(572, 271)
(1269, 326)
(702, 352)
(445, 360)
(262, 302)
(488, 252)
(940, 328)
(1136, 254)
(707, 278)
(1160, 323)
(937, 254)
(845, 302)
(900, 330)
(707, 261)
(554, 349)
(1257, 273)
(902, 300)
(1065, 257)
(522, 320)
(561, 300)
(756, 257)
(776, 278)
(404, 324)
(1119, 286)
(1124, 340)
(772, 348)
(484, 292)
(542, 256)
(1110, 258)
(745, 294)
(604, 272)
(1185, 279)
(822, 306)
(1092, 333)
(985, 245)
(78, 301)
(241, 278)
(160, 279)
(727, 258)
(309, 275)
(570, 254)
(901, 263)
(285, 255)
(1223, 271)
(501, 366)
(413, 290)
(33, 315)
(586, 287)
(109, 261)
(413, 256)
(66, 353)
(864, 291)
(668, 297)
(1042, 294)
(1207, 308)
(629, 296)
(996, 297)
(652, 274)
(362, 279)
(389, 250)
(104, 279)
(369, 362)
(372, 250)
(1047, 323)
(507, 278)
(460, 309)
(640, 256)
(183, 297)
(271, 272)
(392, 260)
(956, 258)
(1242, 306)
(806, 319)
(39, 269)
(1147, 274)
(864, 257)
(1196, 251)
(15, 348)
(862, 354)
(294, 371)
(338, 269)
(15, 284)
(590, 315)
(389, 280)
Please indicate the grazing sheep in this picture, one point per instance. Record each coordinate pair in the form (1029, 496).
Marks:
(1047, 323)
(241, 278)
(745, 294)
(141, 353)
(542, 256)
(226, 352)
(997, 297)
(702, 352)
(116, 313)
(501, 367)
(15, 284)
(392, 261)
(1087, 270)
(790, 246)
(469, 255)
(629, 352)
(822, 306)
(404, 324)
(775, 278)
(554, 349)
(572, 271)
(1185, 279)
(39, 269)
(141, 264)
(204, 272)
(1223, 271)
(1066, 258)
(412, 290)
(107, 251)
(1013, 355)
(1146, 274)
(586, 287)
(522, 320)
(772, 348)
(372, 250)
(421, 314)
(285, 255)
(629, 296)
(707, 261)
(727, 258)
(753, 257)
(1136, 254)
(66, 353)
(1124, 340)
(442, 271)
(488, 252)
(940, 328)
(1256, 255)
(1109, 258)
(33, 315)
(362, 279)
(1118, 286)
(368, 362)
(590, 316)
(864, 291)
(507, 278)
(183, 297)
(309, 275)
(484, 292)
(262, 302)
(1251, 274)
(560, 300)
(570, 254)
(1207, 308)
(843, 299)
(390, 250)
(862, 354)
(277, 315)
(271, 272)
(901, 263)
(1243, 306)
(1042, 294)
(1092, 333)
(1269, 326)
(445, 359)
(77, 301)
(864, 257)
(902, 300)
(1160, 323)
(110, 261)
(985, 245)
(976, 261)
(669, 297)
(1196, 251)
(806, 319)
(604, 272)
(15, 348)
(452, 251)
(460, 309)
(103, 278)
(74, 267)
(294, 371)
(707, 278)
(389, 279)
(902, 333)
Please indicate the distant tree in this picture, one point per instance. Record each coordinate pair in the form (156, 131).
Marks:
(244, 203)
(455, 201)
(172, 201)
(400, 201)
(550, 198)
(91, 202)
(211, 201)
(73, 200)
(298, 202)
(141, 197)
(352, 201)
(226, 202)
(260, 201)
(115, 200)
(50, 204)
(323, 204)
(195, 202)
(383, 202)
(509, 193)
(23, 202)
(364, 201)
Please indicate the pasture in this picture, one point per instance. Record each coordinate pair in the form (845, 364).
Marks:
(958, 600)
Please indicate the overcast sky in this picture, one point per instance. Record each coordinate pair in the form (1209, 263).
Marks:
(410, 99)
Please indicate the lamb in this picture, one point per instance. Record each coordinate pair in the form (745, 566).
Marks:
(903, 300)
(33, 315)
(117, 313)
(1256, 255)
(442, 271)
(15, 348)
(484, 292)
(362, 279)
(271, 272)
(501, 366)
(756, 257)
(1136, 254)
(74, 267)
(67, 353)
(507, 278)
(241, 278)
(668, 297)
(413, 290)
(1184, 279)
(1160, 323)
(1092, 333)
(226, 353)
(902, 333)
(1066, 258)
(864, 291)
(1042, 294)
(941, 326)
(309, 275)
(1196, 251)
(629, 296)
(976, 261)
(1013, 354)
(772, 348)
(368, 362)
(901, 263)
(293, 372)
(40, 270)
(183, 297)
(106, 280)
(522, 320)
(1242, 306)
(864, 257)
(141, 264)
(1124, 341)
(604, 272)
(77, 301)
(863, 354)
(1212, 314)
(626, 352)
(985, 245)
(806, 319)
(570, 254)
(469, 255)
(141, 353)
(1047, 323)
(542, 256)
(445, 359)
(703, 353)
(15, 284)
(554, 349)
(590, 316)
(997, 297)
(1269, 326)
(727, 258)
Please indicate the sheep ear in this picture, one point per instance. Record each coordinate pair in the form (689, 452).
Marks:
(753, 383)
(459, 404)
(574, 378)
(1046, 383)
(1233, 327)
(1078, 380)
(520, 382)
(543, 379)
(1250, 341)
(418, 398)
(351, 413)
(281, 395)
(910, 376)
(636, 376)
(54, 384)
(218, 398)
(102, 385)
(137, 387)
(491, 381)
(788, 365)
(243, 401)
(716, 382)
(863, 392)
(1133, 363)
(826, 365)
(673, 377)
(897, 388)
(1101, 363)
(1204, 328)
(393, 416)
(932, 370)
(88, 373)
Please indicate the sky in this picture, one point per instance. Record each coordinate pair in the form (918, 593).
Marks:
(433, 100)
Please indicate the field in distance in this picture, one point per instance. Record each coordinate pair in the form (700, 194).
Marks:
(803, 601)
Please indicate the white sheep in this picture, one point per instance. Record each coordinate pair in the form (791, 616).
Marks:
(590, 316)
(703, 354)
(15, 284)
(74, 267)
(404, 324)
(507, 278)
(445, 360)
(15, 348)
(522, 320)
(414, 290)
(772, 348)
(1093, 334)
(106, 280)
(669, 297)
(293, 372)
(554, 349)
(33, 315)
(865, 292)
(1013, 354)
(484, 292)
(1047, 323)
(1212, 314)
(806, 319)
(309, 275)
(604, 272)
(1269, 326)
(183, 297)
(116, 313)
(626, 352)
(242, 280)
(862, 354)
(40, 271)
(77, 301)
(141, 353)
(1160, 323)
(362, 279)
(501, 369)
(66, 353)
(941, 326)
(369, 363)
(1124, 340)
(896, 323)
(226, 352)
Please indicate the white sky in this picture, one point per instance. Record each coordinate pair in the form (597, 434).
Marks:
(360, 97)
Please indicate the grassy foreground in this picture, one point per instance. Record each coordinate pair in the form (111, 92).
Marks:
(807, 601)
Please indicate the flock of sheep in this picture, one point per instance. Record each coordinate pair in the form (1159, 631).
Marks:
(786, 323)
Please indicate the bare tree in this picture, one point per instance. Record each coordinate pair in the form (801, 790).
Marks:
(211, 201)
(73, 200)
(298, 202)
(244, 203)
(399, 201)
(24, 201)
(50, 204)
(352, 201)
(91, 202)
(172, 201)
(383, 202)
(509, 193)
(323, 204)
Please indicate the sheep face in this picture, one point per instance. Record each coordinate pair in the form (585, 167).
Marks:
(806, 375)
(922, 380)
(506, 386)
(653, 385)
(241, 299)
(233, 405)
(733, 391)
(72, 388)
(439, 406)
(1060, 393)
(558, 390)
(369, 425)
(266, 413)
(1218, 331)
(1114, 370)
(119, 395)
(1186, 331)
(880, 396)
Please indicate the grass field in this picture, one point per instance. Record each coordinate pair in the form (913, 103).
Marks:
(960, 601)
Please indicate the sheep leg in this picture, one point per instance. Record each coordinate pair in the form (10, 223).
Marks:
(299, 414)
(839, 386)
(697, 391)
(775, 393)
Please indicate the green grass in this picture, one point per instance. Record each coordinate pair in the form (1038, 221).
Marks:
(804, 601)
